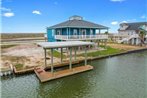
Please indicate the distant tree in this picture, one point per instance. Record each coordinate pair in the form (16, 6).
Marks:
(142, 34)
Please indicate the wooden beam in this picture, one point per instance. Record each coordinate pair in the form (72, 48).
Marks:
(52, 67)
(75, 53)
(61, 55)
(85, 55)
(70, 62)
(45, 57)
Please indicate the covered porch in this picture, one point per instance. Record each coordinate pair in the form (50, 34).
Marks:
(80, 33)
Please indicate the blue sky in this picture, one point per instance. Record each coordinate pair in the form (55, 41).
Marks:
(35, 15)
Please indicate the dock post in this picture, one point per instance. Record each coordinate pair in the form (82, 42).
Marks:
(85, 55)
(105, 43)
(70, 62)
(45, 57)
(61, 55)
(75, 53)
(52, 68)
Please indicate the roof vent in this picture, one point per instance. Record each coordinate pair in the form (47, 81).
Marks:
(75, 17)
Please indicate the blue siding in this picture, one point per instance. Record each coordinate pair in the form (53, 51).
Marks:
(50, 35)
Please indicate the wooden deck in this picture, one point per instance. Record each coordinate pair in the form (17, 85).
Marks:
(46, 76)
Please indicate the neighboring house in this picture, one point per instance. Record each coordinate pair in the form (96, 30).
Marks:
(76, 29)
(132, 31)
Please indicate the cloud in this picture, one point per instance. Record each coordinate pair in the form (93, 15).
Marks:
(8, 14)
(117, 0)
(5, 9)
(36, 12)
(143, 17)
(123, 21)
(114, 22)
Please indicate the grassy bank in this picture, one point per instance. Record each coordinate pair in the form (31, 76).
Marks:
(56, 54)
(108, 51)
(6, 46)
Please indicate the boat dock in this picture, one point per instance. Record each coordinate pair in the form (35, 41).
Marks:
(44, 75)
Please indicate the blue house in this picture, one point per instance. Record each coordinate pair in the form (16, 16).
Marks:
(76, 29)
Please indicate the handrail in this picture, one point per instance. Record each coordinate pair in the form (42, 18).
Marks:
(65, 37)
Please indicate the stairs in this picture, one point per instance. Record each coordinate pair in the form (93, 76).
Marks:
(128, 38)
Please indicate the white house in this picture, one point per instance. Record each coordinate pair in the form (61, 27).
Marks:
(131, 31)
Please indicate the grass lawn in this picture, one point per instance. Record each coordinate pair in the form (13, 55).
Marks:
(56, 54)
(108, 51)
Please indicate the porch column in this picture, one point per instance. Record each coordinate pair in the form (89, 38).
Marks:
(85, 55)
(61, 55)
(52, 67)
(70, 62)
(90, 32)
(99, 31)
(61, 32)
(67, 32)
(45, 57)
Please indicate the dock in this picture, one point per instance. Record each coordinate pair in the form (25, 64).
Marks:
(45, 76)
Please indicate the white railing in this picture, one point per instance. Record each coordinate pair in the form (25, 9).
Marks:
(81, 37)
(128, 38)
(133, 36)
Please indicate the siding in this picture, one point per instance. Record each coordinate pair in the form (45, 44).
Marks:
(50, 35)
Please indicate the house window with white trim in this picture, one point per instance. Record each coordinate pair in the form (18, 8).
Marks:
(91, 32)
(83, 32)
(58, 32)
(75, 32)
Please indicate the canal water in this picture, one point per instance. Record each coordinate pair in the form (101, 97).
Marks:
(122, 76)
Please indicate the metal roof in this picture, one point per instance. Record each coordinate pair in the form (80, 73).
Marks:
(134, 26)
(50, 45)
(78, 23)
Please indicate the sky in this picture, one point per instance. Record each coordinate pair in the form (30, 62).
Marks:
(33, 16)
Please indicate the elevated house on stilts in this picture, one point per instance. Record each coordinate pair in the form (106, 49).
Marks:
(77, 29)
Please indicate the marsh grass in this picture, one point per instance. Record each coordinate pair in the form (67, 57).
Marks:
(19, 66)
(21, 35)
(7, 46)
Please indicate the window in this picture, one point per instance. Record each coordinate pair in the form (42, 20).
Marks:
(75, 32)
(83, 32)
(91, 32)
(58, 32)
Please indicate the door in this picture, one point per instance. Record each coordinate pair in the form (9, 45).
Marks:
(83, 33)
(75, 33)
